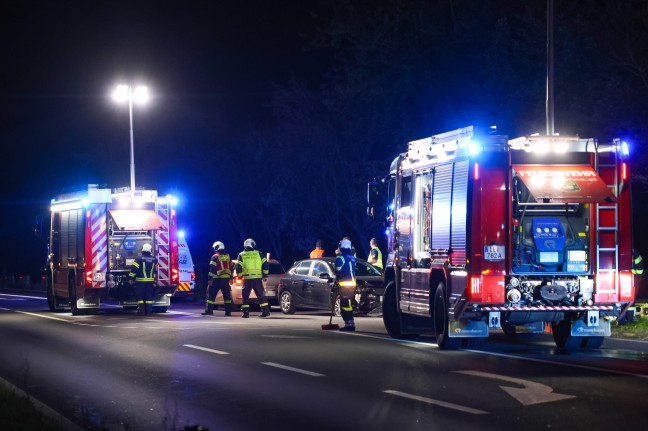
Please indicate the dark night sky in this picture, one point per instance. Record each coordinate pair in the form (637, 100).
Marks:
(208, 64)
(383, 73)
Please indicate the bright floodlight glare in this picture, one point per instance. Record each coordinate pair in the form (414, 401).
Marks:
(121, 93)
(141, 94)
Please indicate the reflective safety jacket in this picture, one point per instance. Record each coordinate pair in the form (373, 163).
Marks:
(637, 263)
(143, 269)
(250, 264)
(317, 253)
(220, 265)
(345, 268)
(375, 257)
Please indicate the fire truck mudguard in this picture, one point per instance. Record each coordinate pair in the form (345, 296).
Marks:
(486, 233)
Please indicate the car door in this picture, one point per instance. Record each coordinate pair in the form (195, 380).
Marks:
(321, 287)
(298, 283)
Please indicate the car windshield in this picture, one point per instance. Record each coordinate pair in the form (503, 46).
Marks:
(364, 269)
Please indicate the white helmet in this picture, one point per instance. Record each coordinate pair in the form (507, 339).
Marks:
(218, 246)
(147, 248)
(249, 243)
(345, 243)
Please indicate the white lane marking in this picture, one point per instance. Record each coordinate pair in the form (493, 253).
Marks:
(42, 315)
(296, 370)
(530, 393)
(285, 336)
(5, 309)
(218, 352)
(436, 402)
(565, 364)
(21, 296)
(12, 299)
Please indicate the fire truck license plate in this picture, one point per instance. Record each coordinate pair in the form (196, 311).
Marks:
(494, 252)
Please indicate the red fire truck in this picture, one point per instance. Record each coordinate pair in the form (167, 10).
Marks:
(485, 232)
(96, 235)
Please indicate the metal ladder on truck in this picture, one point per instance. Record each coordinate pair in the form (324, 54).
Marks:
(607, 224)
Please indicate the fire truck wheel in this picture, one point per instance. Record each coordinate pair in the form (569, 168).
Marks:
(52, 301)
(592, 342)
(562, 335)
(76, 311)
(441, 324)
(391, 317)
(472, 343)
(286, 303)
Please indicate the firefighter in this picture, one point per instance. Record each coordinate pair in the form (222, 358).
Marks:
(345, 266)
(637, 270)
(142, 275)
(220, 273)
(318, 251)
(375, 255)
(339, 249)
(254, 268)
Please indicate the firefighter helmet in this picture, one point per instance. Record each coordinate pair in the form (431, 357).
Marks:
(345, 244)
(218, 246)
(249, 243)
(147, 248)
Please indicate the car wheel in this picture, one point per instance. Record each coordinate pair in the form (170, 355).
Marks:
(337, 308)
(286, 303)
(441, 322)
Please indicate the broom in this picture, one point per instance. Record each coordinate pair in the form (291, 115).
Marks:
(331, 326)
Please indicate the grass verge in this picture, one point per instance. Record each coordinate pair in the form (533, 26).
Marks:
(17, 412)
(636, 330)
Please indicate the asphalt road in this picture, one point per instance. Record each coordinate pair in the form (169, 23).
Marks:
(117, 371)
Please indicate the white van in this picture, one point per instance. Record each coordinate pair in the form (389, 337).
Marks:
(187, 273)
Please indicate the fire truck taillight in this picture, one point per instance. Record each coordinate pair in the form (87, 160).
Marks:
(627, 286)
(476, 171)
(624, 171)
(487, 288)
(193, 276)
(174, 275)
(88, 278)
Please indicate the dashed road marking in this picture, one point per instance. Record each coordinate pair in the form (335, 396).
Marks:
(436, 402)
(296, 370)
(218, 352)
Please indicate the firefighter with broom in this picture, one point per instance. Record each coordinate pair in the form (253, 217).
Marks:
(345, 267)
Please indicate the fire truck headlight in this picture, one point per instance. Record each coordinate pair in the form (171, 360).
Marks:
(513, 296)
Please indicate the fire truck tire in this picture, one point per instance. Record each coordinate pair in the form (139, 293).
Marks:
(472, 343)
(441, 324)
(52, 300)
(391, 316)
(160, 308)
(286, 303)
(562, 335)
(592, 342)
(76, 311)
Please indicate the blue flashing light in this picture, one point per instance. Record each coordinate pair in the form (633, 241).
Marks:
(474, 148)
(625, 148)
(181, 233)
(174, 201)
(84, 203)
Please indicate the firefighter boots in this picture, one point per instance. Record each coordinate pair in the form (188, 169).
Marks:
(228, 309)
(348, 327)
(140, 310)
(246, 313)
(209, 310)
(265, 311)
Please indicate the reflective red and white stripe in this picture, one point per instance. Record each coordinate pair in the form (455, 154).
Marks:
(99, 242)
(551, 308)
(162, 240)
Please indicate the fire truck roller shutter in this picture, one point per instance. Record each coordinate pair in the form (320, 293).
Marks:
(564, 183)
(136, 219)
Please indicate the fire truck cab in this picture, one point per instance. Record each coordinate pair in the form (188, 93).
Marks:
(96, 235)
(485, 232)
